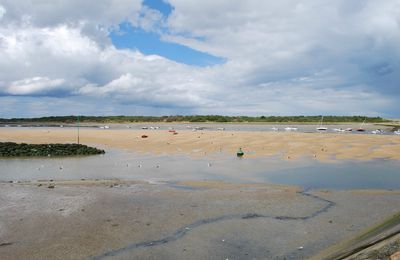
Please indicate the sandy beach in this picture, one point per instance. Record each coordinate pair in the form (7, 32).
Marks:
(288, 146)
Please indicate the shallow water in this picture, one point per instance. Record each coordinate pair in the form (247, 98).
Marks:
(377, 174)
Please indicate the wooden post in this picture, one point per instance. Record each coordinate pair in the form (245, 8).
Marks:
(78, 124)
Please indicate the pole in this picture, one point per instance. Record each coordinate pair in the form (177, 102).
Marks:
(78, 121)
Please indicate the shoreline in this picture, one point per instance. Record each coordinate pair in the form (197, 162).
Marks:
(285, 145)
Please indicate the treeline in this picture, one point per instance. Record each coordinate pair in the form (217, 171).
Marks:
(194, 118)
(10, 149)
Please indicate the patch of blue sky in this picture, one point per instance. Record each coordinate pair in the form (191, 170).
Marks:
(160, 5)
(128, 37)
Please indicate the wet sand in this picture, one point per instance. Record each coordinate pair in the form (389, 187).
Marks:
(289, 146)
(197, 220)
(135, 219)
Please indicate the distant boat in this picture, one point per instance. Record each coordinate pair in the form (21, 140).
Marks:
(290, 128)
(220, 129)
(145, 127)
(275, 129)
(349, 129)
(397, 132)
(340, 130)
(361, 129)
(378, 131)
(106, 127)
(322, 128)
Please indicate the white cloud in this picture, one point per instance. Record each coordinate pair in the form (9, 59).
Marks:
(282, 57)
(2, 11)
(33, 85)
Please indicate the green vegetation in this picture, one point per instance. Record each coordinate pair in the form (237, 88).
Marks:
(10, 149)
(195, 118)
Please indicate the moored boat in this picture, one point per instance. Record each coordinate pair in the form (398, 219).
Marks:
(340, 130)
(361, 129)
(322, 128)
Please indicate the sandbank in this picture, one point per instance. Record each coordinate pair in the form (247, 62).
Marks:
(285, 145)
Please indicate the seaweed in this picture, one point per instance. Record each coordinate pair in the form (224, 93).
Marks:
(10, 149)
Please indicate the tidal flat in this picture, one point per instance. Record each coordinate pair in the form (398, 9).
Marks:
(146, 199)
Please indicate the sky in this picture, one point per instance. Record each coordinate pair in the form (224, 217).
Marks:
(185, 57)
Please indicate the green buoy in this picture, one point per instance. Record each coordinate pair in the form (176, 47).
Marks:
(240, 153)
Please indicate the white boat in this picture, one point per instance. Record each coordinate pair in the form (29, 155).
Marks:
(220, 129)
(106, 127)
(349, 129)
(145, 127)
(340, 130)
(378, 131)
(275, 129)
(290, 128)
(321, 128)
(397, 132)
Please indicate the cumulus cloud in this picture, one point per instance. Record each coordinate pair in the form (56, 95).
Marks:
(282, 57)
(33, 85)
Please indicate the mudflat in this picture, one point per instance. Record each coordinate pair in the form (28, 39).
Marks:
(289, 146)
(198, 220)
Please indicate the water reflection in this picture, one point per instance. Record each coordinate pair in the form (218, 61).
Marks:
(377, 174)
